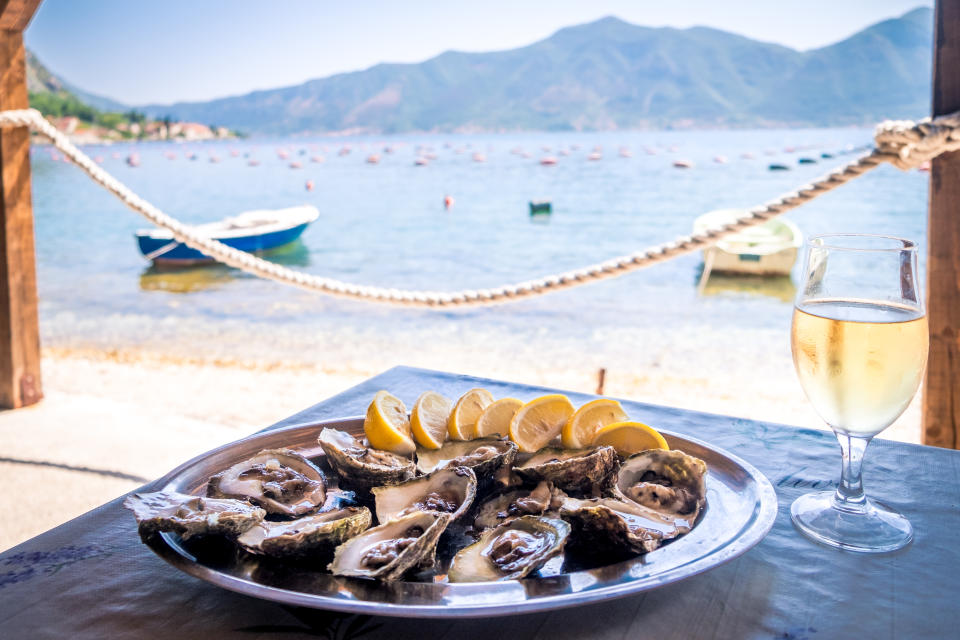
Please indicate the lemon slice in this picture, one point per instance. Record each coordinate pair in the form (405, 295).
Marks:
(428, 420)
(496, 418)
(588, 419)
(462, 424)
(539, 421)
(629, 438)
(386, 425)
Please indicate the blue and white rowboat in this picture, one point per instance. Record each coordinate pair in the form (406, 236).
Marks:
(251, 231)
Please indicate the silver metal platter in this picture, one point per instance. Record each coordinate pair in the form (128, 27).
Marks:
(741, 507)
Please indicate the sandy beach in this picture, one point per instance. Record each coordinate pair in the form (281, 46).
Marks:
(111, 420)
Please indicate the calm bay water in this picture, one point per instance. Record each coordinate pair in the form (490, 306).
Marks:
(385, 225)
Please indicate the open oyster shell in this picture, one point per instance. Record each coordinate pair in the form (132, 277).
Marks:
(361, 466)
(279, 480)
(669, 482)
(510, 551)
(510, 505)
(445, 490)
(191, 516)
(307, 535)
(392, 549)
(624, 525)
(575, 470)
(484, 455)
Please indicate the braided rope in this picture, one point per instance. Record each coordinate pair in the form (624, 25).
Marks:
(904, 144)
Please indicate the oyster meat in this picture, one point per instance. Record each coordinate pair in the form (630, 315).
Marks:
(191, 516)
(511, 551)
(669, 482)
(361, 466)
(484, 455)
(279, 480)
(448, 490)
(575, 470)
(511, 505)
(307, 535)
(392, 549)
(624, 525)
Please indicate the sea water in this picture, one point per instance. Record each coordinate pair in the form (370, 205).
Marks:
(385, 224)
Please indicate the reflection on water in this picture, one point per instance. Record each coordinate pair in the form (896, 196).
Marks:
(202, 277)
(779, 287)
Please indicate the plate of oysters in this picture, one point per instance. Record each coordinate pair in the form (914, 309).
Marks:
(476, 507)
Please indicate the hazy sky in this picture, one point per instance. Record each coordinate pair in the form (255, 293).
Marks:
(140, 52)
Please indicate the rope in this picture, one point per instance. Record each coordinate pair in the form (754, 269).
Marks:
(904, 144)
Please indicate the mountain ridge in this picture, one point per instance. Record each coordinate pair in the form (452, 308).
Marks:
(606, 74)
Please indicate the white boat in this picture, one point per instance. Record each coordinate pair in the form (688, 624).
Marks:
(769, 249)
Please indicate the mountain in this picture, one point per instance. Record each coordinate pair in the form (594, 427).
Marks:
(42, 80)
(606, 74)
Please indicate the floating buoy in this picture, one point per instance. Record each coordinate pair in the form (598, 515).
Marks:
(683, 164)
(373, 158)
(746, 155)
(548, 161)
(309, 185)
(343, 151)
(479, 157)
(214, 159)
(191, 156)
(133, 159)
(295, 165)
(283, 155)
(563, 152)
(540, 207)
(625, 152)
(650, 151)
(98, 159)
(826, 156)
(778, 167)
(720, 159)
(253, 162)
(596, 155)
(448, 202)
(317, 159)
(421, 162)
(807, 161)
(234, 153)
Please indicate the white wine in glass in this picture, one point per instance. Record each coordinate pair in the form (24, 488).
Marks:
(859, 341)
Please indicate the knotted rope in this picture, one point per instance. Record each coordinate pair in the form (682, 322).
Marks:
(904, 144)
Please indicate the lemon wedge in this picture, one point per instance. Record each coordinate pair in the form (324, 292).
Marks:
(588, 419)
(386, 425)
(540, 421)
(428, 420)
(462, 424)
(496, 418)
(629, 438)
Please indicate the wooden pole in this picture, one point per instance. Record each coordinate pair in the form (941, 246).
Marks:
(19, 327)
(941, 393)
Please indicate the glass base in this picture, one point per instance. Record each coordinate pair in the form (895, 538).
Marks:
(868, 528)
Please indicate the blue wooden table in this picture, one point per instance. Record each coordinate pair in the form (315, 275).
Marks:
(91, 577)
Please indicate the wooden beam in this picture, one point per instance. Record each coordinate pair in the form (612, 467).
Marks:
(15, 15)
(19, 326)
(941, 393)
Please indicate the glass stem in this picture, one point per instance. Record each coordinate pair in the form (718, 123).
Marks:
(850, 494)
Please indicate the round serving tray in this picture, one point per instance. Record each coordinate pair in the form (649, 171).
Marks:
(741, 507)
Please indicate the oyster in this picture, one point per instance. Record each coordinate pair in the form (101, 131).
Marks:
(509, 506)
(307, 535)
(670, 482)
(510, 551)
(578, 470)
(279, 480)
(484, 455)
(361, 466)
(191, 516)
(625, 525)
(445, 490)
(392, 549)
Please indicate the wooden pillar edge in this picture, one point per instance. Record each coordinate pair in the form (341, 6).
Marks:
(19, 320)
(941, 392)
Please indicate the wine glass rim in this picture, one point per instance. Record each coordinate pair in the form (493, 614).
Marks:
(833, 241)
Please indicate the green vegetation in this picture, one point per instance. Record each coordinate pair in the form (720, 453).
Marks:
(62, 103)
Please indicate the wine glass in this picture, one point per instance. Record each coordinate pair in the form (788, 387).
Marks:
(859, 343)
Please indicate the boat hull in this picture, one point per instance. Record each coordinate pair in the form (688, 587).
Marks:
(181, 254)
(779, 263)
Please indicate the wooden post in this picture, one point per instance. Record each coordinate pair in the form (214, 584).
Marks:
(19, 327)
(941, 392)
